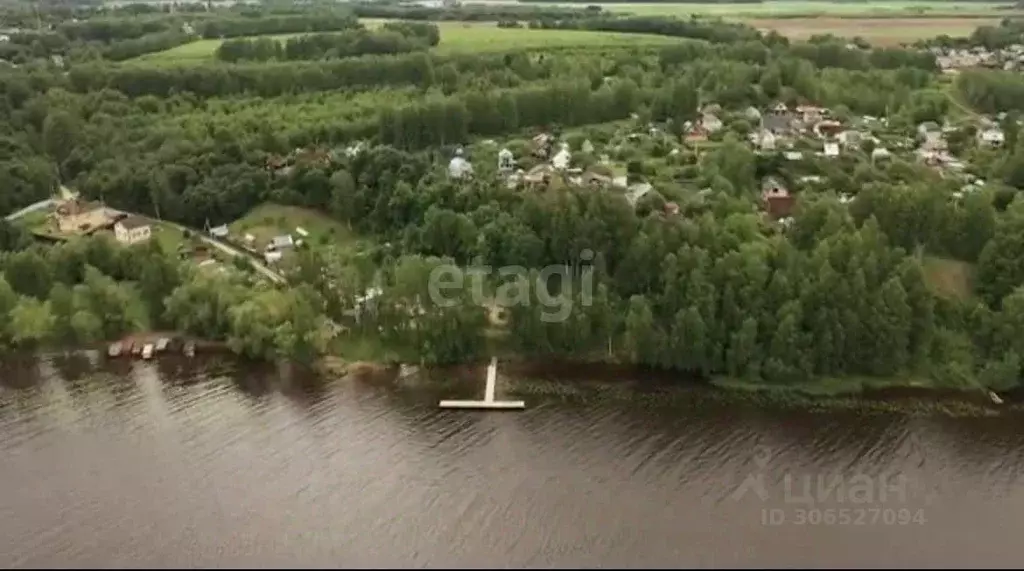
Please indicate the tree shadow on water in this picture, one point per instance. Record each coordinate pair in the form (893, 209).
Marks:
(20, 371)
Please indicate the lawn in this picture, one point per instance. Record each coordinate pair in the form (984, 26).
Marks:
(269, 220)
(456, 37)
(35, 220)
(169, 237)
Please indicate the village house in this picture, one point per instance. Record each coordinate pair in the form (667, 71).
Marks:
(831, 149)
(775, 198)
(932, 136)
(591, 180)
(951, 60)
(281, 242)
(506, 161)
(220, 232)
(459, 168)
(928, 127)
(272, 256)
(811, 114)
(132, 230)
(696, 134)
(78, 216)
(539, 175)
(542, 145)
(780, 123)
(849, 139)
(763, 139)
(991, 137)
(827, 128)
(562, 159)
(637, 191)
(711, 123)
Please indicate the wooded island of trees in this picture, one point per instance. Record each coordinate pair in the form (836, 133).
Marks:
(898, 252)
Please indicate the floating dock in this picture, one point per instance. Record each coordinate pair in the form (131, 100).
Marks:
(488, 403)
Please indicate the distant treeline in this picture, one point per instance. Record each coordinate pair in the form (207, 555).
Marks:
(391, 39)
(120, 34)
(471, 13)
(592, 2)
(259, 79)
(712, 30)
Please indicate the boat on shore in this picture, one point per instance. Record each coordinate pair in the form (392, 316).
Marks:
(114, 350)
(162, 344)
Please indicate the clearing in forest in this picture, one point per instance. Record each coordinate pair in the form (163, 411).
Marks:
(949, 278)
(268, 221)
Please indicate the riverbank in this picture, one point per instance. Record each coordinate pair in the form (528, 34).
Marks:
(582, 381)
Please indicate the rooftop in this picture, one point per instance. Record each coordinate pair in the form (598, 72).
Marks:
(132, 222)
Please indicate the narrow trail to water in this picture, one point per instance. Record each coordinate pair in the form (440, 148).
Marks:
(210, 464)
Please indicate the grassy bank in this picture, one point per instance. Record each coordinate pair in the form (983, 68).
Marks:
(847, 386)
(593, 379)
(534, 390)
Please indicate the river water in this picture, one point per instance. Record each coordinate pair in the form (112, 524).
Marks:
(215, 464)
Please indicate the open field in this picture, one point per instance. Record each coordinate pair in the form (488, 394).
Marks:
(889, 31)
(486, 36)
(797, 8)
(199, 51)
(266, 221)
(455, 37)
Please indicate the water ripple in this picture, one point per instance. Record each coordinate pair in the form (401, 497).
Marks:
(215, 464)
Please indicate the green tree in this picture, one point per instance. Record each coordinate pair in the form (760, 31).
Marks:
(31, 322)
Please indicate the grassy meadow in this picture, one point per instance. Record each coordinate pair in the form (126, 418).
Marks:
(887, 31)
(883, 23)
(455, 37)
(268, 220)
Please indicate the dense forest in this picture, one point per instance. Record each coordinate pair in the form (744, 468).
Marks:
(712, 289)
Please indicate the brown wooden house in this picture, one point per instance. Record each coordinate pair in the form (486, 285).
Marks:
(776, 199)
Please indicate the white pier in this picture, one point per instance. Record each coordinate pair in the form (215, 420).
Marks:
(488, 402)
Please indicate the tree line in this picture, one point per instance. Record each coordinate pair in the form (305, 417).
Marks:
(91, 290)
(353, 43)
